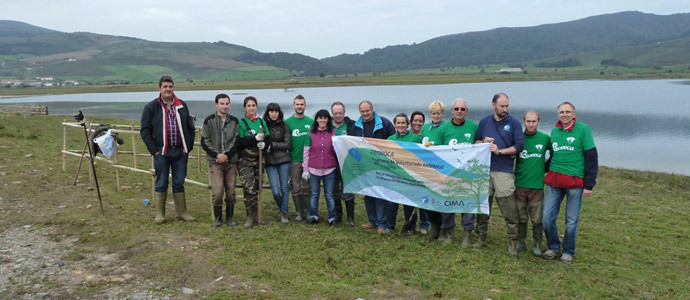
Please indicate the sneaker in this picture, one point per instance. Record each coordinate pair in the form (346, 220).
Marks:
(284, 218)
(368, 226)
(565, 258)
(298, 218)
(381, 230)
(423, 231)
(331, 223)
(409, 232)
(385, 231)
(550, 255)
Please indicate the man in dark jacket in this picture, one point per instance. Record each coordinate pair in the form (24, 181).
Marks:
(371, 125)
(168, 132)
(219, 140)
(342, 124)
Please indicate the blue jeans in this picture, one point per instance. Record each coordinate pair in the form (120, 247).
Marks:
(328, 181)
(278, 178)
(552, 206)
(176, 160)
(376, 211)
(423, 219)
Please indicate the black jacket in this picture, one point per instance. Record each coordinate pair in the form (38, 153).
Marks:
(153, 128)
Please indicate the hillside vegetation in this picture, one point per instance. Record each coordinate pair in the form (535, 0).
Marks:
(637, 39)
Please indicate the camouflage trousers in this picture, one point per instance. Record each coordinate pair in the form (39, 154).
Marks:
(249, 175)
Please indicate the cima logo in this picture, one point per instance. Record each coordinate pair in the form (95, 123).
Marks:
(506, 127)
(570, 139)
(539, 147)
(467, 136)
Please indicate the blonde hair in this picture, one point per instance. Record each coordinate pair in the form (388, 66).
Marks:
(437, 106)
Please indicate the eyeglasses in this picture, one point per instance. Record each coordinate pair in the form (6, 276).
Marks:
(459, 108)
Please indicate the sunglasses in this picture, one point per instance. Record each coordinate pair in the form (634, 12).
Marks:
(459, 108)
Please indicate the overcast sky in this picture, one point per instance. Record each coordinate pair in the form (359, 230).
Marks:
(318, 28)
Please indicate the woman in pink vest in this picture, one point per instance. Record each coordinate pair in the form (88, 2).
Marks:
(319, 165)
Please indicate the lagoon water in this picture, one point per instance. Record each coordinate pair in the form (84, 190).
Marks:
(637, 124)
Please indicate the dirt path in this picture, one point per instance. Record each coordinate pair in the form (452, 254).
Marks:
(38, 263)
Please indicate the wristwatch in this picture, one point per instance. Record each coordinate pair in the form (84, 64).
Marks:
(500, 151)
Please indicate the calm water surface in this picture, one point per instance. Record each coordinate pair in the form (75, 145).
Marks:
(637, 124)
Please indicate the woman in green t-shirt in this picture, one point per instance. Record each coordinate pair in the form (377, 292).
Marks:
(401, 124)
(253, 131)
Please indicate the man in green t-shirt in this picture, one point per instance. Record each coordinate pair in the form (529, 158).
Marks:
(529, 182)
(459, 131)
(572, 174)
(299, 126)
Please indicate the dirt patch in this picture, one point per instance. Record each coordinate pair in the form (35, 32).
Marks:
(38, 263)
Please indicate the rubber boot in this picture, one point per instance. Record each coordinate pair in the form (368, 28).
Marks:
(512, 248)
(481, 242)
(298, 206)
(537, 234)
(466, 238)
(250, 217)
(255, 211)
(350, 208)
(181, 207)
(522, 236)
(218, 213)
(305, 207)
(442, 235)
(450, 232)
(160, 207)
(435, 231)
(229, 213)
(338, 210)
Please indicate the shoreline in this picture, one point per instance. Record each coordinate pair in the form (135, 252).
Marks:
(287, 84)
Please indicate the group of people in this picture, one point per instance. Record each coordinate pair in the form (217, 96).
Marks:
(298, 151)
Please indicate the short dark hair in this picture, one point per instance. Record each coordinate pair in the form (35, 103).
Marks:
(401, 115)
(337, 103)
(273, 107)
(299, 97)
(250, 98)
(417, 113)
(165, 78)
(322, 113)
(221, 96)
(498, 95)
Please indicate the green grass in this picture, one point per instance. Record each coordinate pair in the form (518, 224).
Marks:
(632, 239)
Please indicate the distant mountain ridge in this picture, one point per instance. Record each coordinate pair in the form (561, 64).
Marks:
(518, 44)
(28, 51)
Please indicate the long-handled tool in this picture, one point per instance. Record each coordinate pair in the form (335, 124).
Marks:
(408, 222)
(81, 159)
(80, 119)
(261, 179)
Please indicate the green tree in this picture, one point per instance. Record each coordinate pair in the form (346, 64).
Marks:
(469, 181)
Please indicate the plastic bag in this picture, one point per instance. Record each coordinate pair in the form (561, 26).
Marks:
(105, 142)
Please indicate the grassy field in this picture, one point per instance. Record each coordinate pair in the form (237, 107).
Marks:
(260, 78)
(632, 239)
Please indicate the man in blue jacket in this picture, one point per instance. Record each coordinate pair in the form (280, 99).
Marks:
(168, 132)
(371, 125)
(504, 132)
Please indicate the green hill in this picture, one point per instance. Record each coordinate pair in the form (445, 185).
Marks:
(520, 44)
(632, 39)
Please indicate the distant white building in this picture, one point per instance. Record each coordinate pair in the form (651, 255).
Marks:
(45, 78)
(510, 70)
(11, 82)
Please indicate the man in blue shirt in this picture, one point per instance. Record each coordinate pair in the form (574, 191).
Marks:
(504, 132)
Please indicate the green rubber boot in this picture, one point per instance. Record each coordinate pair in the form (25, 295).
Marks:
(522, 236)
(466, 238)
(181, 207)
(160, 207)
